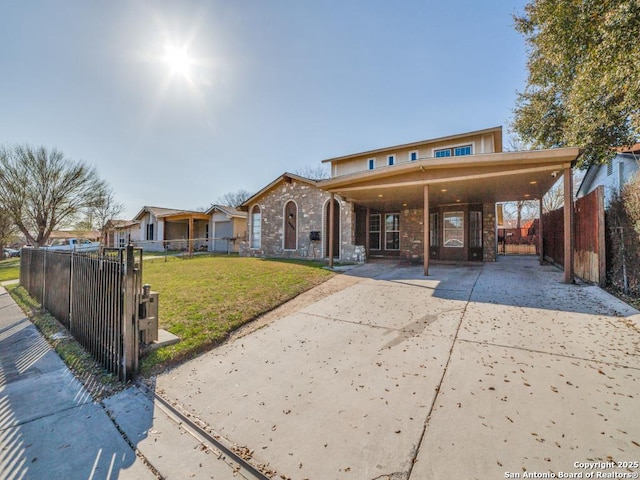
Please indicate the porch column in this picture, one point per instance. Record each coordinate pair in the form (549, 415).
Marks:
(425, 222)
(367, 227)
(568, 225)
(190, 247)
(540, 232)
(331, 217)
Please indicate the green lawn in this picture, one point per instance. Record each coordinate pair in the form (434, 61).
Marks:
(203, 299)
(9, 269)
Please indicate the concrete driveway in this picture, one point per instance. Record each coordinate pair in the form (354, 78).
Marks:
(472, 372)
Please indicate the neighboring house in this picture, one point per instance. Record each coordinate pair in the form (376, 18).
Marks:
(92, 235)
(172, 229)
(612, 175)
(120, 232)
(288, 218)
(436, 196)
(227, 227)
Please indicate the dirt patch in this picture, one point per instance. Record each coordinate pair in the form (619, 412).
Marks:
(331, 286)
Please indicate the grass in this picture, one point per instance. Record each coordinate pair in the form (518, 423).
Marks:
(9, 269)
(203, 299)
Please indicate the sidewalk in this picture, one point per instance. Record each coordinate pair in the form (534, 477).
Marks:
(51, 428)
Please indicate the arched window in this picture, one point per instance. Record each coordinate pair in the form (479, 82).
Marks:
(256, 227)
(290, 225)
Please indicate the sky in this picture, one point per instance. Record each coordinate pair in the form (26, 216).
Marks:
(260, 87)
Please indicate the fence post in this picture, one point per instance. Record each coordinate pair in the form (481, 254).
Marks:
(130, 347)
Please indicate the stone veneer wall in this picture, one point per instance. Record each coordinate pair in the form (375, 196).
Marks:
(412, 235)
(311, 202)
(489, 245)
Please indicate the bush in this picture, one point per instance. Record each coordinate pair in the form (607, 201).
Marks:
(623, 239)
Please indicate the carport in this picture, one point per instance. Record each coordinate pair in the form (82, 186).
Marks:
(438, 195)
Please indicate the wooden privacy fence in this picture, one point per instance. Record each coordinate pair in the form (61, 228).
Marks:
(589, 237)
(95, 297)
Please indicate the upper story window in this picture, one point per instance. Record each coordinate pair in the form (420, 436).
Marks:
(465, 150)
(455, 151)
(413, 156)
(391, 159)
(443, 152)
(372, 163)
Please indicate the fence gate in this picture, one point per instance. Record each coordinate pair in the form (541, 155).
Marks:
(95, 296)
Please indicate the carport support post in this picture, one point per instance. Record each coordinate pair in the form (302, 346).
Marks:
(425, 221)
(540, 241)
(331, 216)
(568, 225)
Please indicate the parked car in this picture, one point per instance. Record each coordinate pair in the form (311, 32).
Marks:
(73, 245)
(11, 252)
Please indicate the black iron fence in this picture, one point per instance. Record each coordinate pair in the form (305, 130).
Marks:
(95, 296)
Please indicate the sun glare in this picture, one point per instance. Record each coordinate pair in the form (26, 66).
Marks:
(178, 60)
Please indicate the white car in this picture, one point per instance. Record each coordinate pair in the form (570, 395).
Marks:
(73, 245)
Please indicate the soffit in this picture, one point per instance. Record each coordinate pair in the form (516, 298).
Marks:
(475, 179)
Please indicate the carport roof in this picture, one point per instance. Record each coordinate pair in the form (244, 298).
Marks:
(484, 178)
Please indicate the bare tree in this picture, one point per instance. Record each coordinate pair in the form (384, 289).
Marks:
(42, 190)
(104, 210)
(319, 172)
(233, 199)
(7, 230)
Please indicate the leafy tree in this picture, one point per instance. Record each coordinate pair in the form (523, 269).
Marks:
(583, 87)
(42, 190)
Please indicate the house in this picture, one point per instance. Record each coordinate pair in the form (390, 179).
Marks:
(432, 200)
(287, 218)
(119, 233)
(227, 227)
(92, 235)
(171, 229)
(612, 175)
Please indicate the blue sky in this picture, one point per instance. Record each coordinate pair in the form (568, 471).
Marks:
(272, 86)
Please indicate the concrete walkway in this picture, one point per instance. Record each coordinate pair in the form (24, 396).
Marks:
(473, 372)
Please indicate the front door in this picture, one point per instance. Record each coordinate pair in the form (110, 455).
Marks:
(336, 229)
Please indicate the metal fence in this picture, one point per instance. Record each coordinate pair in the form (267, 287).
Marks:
(95, 296)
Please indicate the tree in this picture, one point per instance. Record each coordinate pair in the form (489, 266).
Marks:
(234, 199)
(42, 190)
(104, 210)
(7, 230)
(583, 86)
(319, 172)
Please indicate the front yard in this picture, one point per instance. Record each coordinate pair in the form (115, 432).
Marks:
(9, 269)
(203, 299)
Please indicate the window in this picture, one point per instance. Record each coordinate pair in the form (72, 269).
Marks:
(391, 159)
(256, 227)
(456, 151)
(372, 163)
(459, 151)
(453, 229)
(392, 231)
(290, 225)
(434, 237)
(609, 167)
(475, 229)
(150, 231)
(413, 156)
(374, 231)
